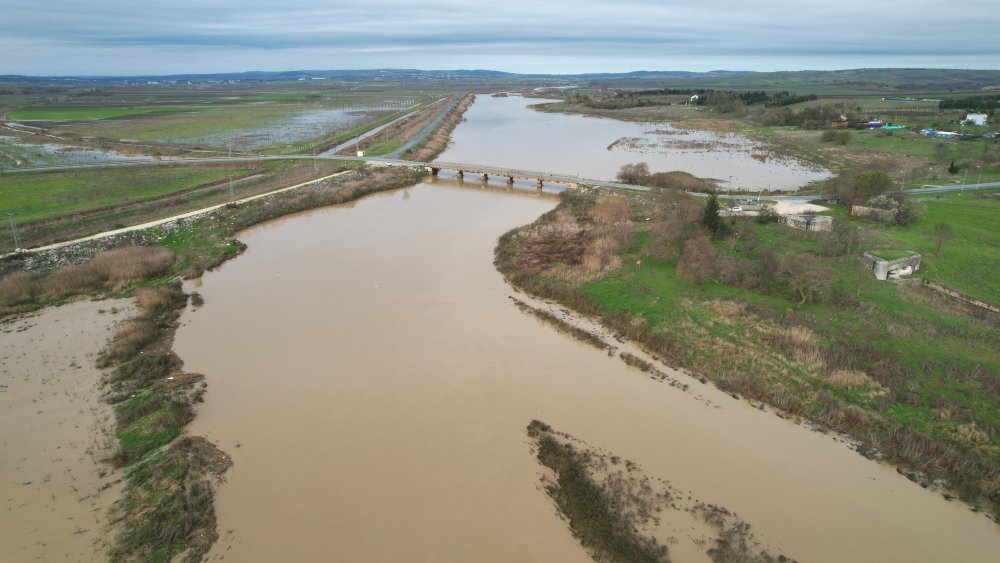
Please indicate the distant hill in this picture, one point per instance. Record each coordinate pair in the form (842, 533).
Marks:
(865, 80)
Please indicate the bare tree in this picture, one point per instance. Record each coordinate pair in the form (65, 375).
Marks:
(633, 173)
(807, 280)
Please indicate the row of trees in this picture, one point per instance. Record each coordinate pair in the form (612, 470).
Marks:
(986, 102)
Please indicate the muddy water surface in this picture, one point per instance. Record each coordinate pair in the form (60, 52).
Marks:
(506, 132)
(55, 430)
(372, 381)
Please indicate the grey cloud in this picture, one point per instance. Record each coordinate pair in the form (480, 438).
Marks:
(108, 36)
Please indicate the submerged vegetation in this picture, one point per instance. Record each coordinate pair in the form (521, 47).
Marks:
(618, 512)
(609, 534)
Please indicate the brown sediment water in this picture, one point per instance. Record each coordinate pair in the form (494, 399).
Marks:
(55, 430)
(372, 381)
(505, 132)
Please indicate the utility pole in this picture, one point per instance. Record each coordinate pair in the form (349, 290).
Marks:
(230, 188)
(13, 229)
(980, 176)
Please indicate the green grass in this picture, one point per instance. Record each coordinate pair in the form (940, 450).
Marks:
(970, 261)
(87, 114)
(383, 147)
(44, 195)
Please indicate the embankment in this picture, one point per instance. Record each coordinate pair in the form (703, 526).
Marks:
(438, 140)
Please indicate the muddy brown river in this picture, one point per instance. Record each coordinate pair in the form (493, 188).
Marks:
(372, 381)
(506, 132)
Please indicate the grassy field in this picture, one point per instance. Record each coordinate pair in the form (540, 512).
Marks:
(46, 195)
(110, 199)
(92, 113)
(909, 374)
(969, 262)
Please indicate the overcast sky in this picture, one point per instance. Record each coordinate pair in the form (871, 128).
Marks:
(128, 37)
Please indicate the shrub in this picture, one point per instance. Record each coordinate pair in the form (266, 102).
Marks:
(698, 263)
(767, 214)
(839, 137)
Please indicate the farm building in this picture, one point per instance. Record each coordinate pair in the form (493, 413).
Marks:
(976, 119)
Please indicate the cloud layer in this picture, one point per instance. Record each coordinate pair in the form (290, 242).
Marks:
(105, 37)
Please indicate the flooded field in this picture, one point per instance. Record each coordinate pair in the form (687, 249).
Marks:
(16, 152)
(247, 126)
(372, 381)
(506, 132)
(54, 434)
(287, 130)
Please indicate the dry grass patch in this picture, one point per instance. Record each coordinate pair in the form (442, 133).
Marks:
(130, 338)
(797, 342)
(609, 210)
(602, 255)
(726, 308)
(850, 379)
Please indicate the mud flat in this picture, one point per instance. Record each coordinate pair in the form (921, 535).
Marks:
(55, 430)
(372, 379)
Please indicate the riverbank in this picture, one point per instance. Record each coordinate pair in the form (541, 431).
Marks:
(437, 141)
(834, 358)
(166, 509)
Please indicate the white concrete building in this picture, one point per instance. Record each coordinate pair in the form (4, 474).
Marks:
(976, 118)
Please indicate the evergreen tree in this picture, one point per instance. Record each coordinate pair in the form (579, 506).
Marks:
(711, 219)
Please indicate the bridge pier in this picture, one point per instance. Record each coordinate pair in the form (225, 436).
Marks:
(486, 177)
(460, 174)
(510, 180)
(434, 171)
(540, 184)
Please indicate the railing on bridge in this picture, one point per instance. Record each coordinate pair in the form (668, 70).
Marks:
(500, 171)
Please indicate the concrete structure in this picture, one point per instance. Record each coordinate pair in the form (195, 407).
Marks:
(976, 119)
(510, 173)
(881, 215)
(885, 269)
(809, 222)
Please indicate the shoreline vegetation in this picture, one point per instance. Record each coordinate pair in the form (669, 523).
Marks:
(437, 141)
(820, 341)
(621, 514)
(167, 510)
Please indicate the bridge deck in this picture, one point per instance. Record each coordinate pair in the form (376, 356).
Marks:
(501, 171)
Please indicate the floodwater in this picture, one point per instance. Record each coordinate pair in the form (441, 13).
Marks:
(506, 132)
(55, 431)
(372, 380)
(293, 128)
(13, 150)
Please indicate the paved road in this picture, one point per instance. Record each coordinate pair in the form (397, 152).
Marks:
(425, 131)
(366, 135)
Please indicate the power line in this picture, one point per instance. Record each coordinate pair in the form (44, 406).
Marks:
(13, 229)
